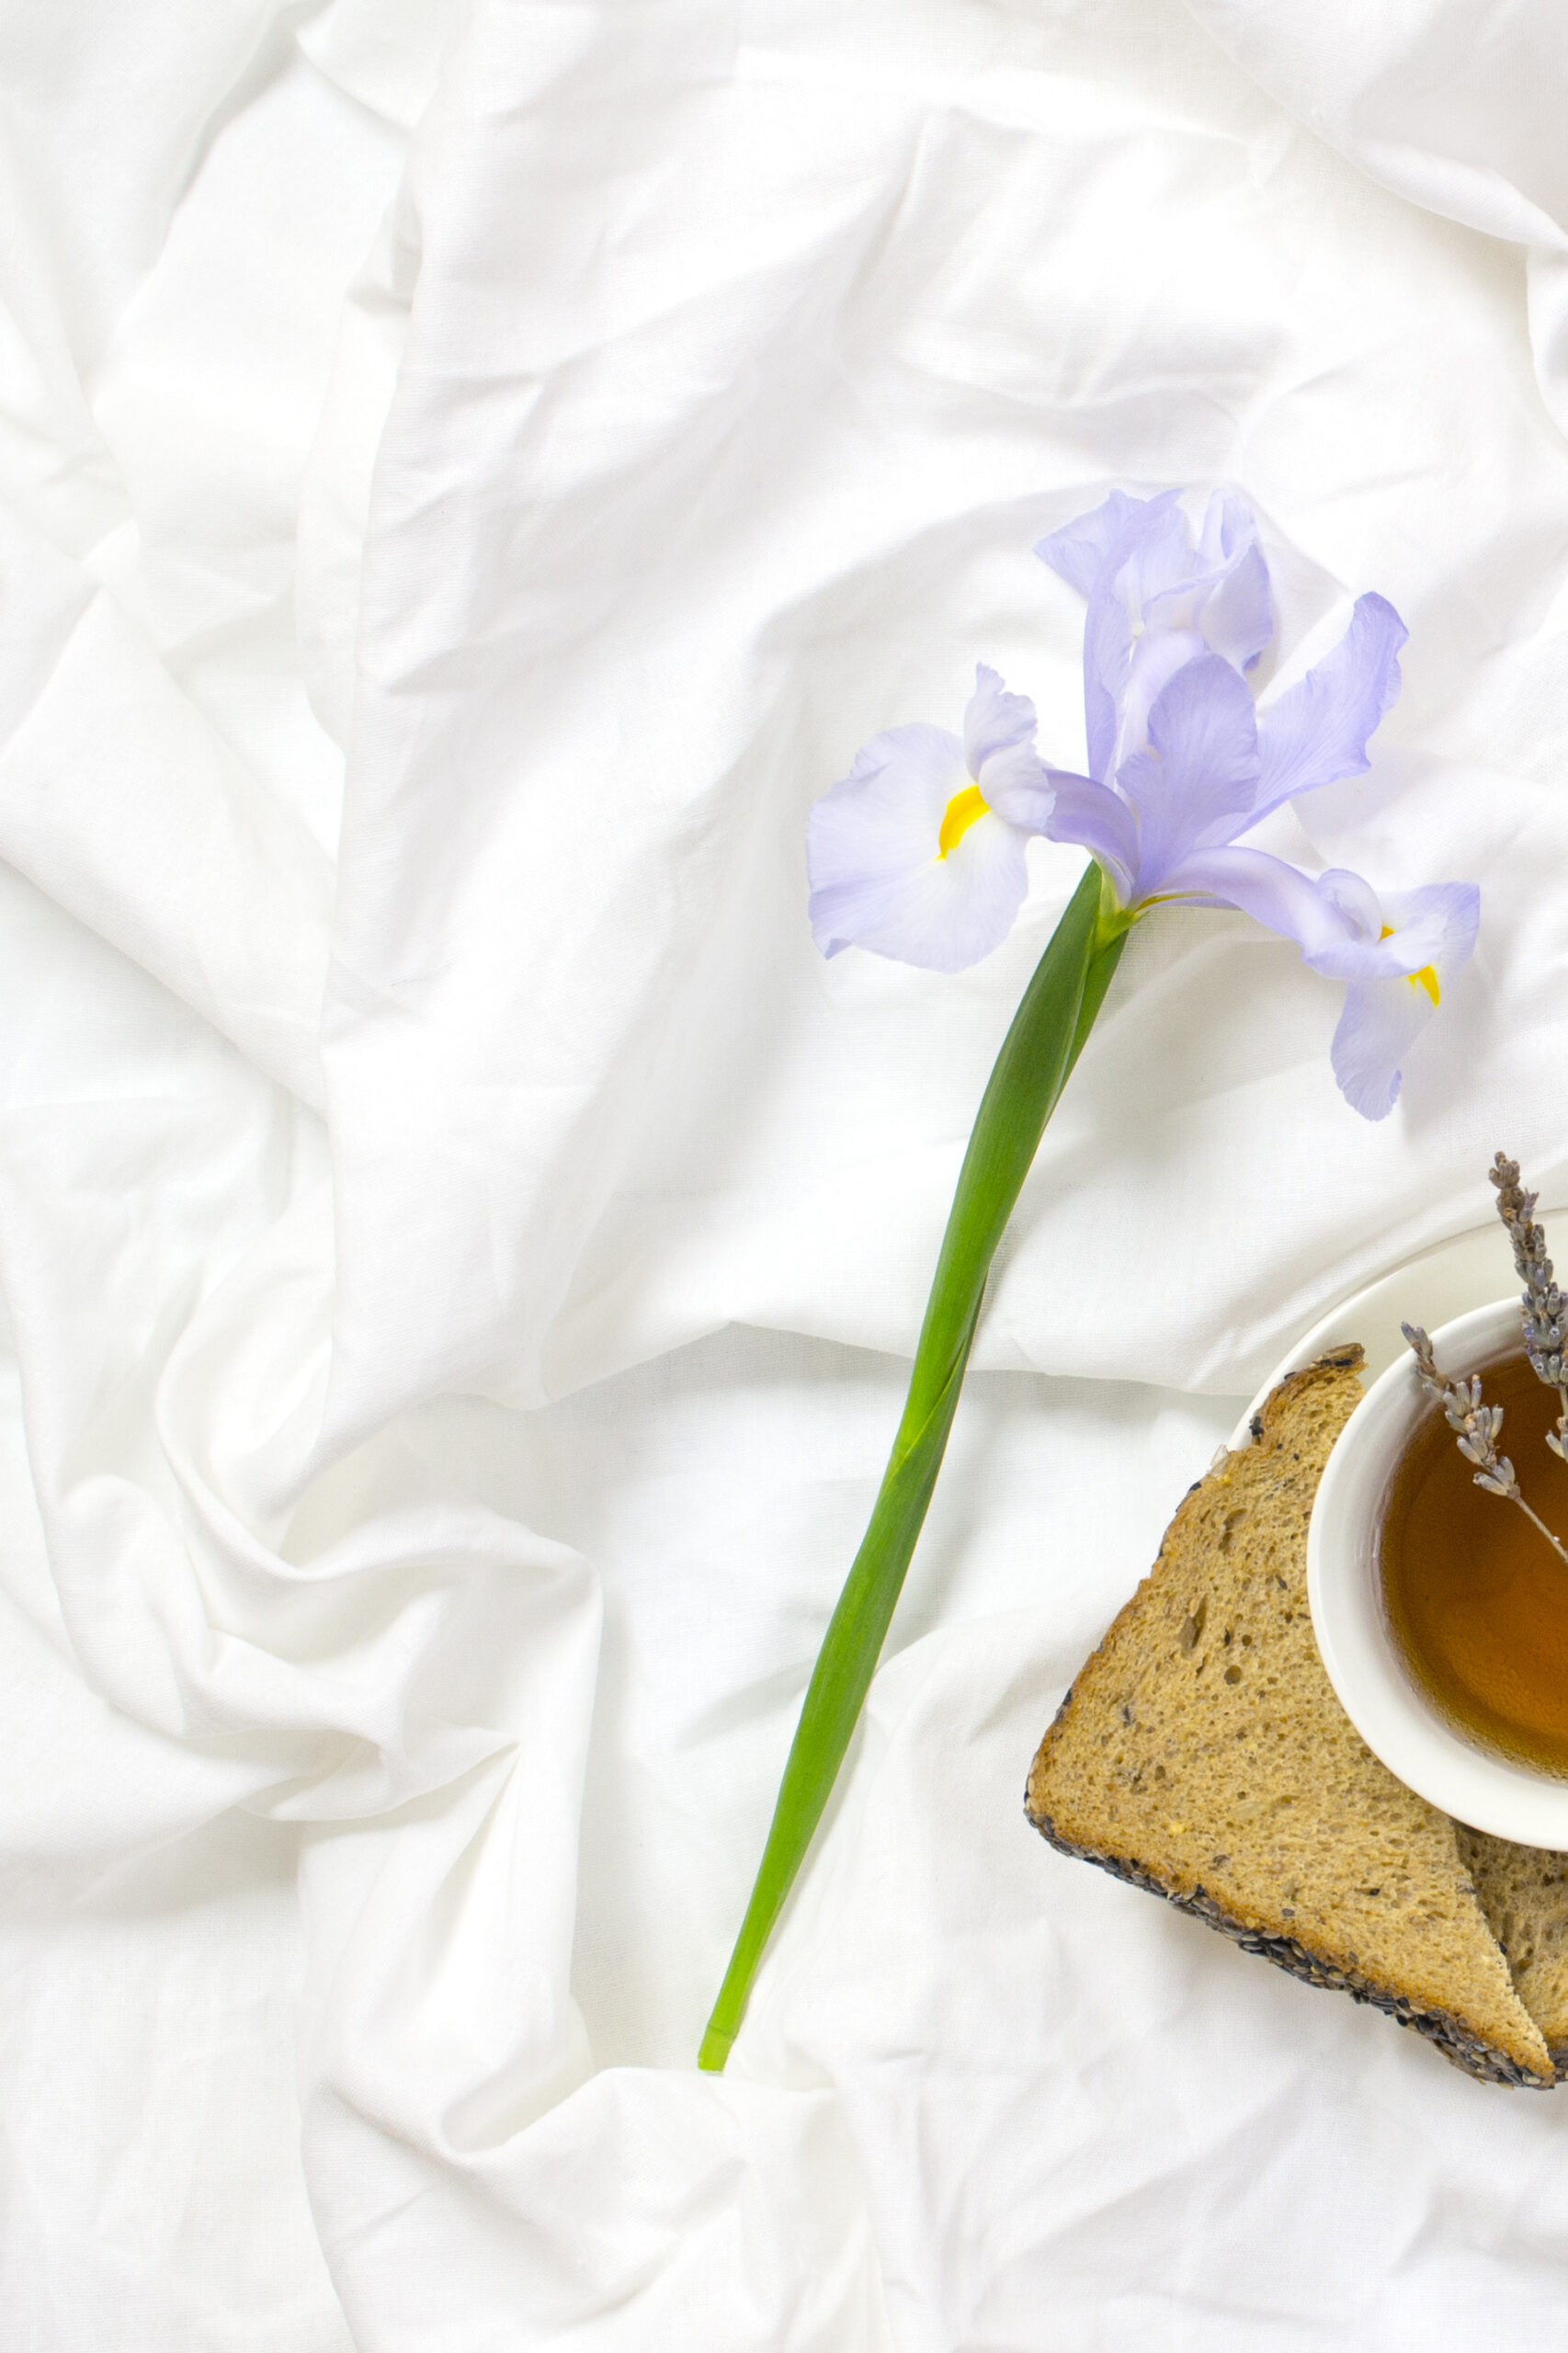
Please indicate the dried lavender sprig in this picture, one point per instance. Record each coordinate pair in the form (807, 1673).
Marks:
(1478, 1427)
(1544, 1311)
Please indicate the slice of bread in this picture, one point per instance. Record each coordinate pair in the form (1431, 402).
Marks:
(1201, 1754)
(1524, 1893)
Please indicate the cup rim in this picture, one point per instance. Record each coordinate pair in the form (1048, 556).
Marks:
(1393, 1716)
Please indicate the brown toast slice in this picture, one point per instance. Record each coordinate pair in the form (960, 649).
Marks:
(1524, 1893)
(1201, 1754)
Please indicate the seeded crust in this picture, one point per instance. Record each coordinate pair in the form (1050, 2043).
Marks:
(1524, 1893)
(1201, 1754)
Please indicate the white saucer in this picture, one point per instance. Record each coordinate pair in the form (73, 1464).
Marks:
(1431, 1288)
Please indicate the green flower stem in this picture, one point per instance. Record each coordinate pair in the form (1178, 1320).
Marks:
(1037, 1058)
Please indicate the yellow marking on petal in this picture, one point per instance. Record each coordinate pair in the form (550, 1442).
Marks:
(965, 810)
(1426, 978)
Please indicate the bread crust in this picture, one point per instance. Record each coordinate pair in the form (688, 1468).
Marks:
(1476, 2057)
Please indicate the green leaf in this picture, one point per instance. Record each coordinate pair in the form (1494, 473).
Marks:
(1037, 1058)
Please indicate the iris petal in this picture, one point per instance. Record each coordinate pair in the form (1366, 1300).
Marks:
(1162, 578)
(1238, 614)
(1277, 896)
(999, 729)
(918, 852)
(1018, 785)
(1406, 932)
(993, 719)
(879, 822)
(943, 914)
(1116, 557)
(1318, 730)
(1079, 552)
(1097, 820)
(1156, 657)
(1380, 1022)
(1201, 765)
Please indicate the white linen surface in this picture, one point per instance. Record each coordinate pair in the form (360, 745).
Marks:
(468, 478)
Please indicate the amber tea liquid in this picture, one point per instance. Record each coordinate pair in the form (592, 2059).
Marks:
(1477, 1600)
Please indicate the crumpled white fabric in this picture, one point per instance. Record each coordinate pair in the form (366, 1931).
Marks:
(468, 475)
(1457, 107)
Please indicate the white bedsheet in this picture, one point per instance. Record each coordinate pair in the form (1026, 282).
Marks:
(468, 476)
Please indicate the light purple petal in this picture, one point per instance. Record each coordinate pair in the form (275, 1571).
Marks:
(1407, 931)
(1100, 821)
(872, 855)
(1017, 783)
(1156, 656)
(999, 730)
(1157, 602)
(1201, 767)
(1107, 650)
(1117, 586)
(1161, 569)
(1357, 901)
(1217, 590)
(1318, 730)
(993, 719)
(1452, 910)
(1140, 629)
(1275, 894)
(944, 913)
(1079, 551)
(879, 822)
(1380, 1022)
(1238, 613)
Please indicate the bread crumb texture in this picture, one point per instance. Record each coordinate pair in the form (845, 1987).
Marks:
(1201, 1754)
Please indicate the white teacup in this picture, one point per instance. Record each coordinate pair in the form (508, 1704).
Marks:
(1379, 1694)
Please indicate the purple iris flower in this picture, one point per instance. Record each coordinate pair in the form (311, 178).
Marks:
(1182, 765)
